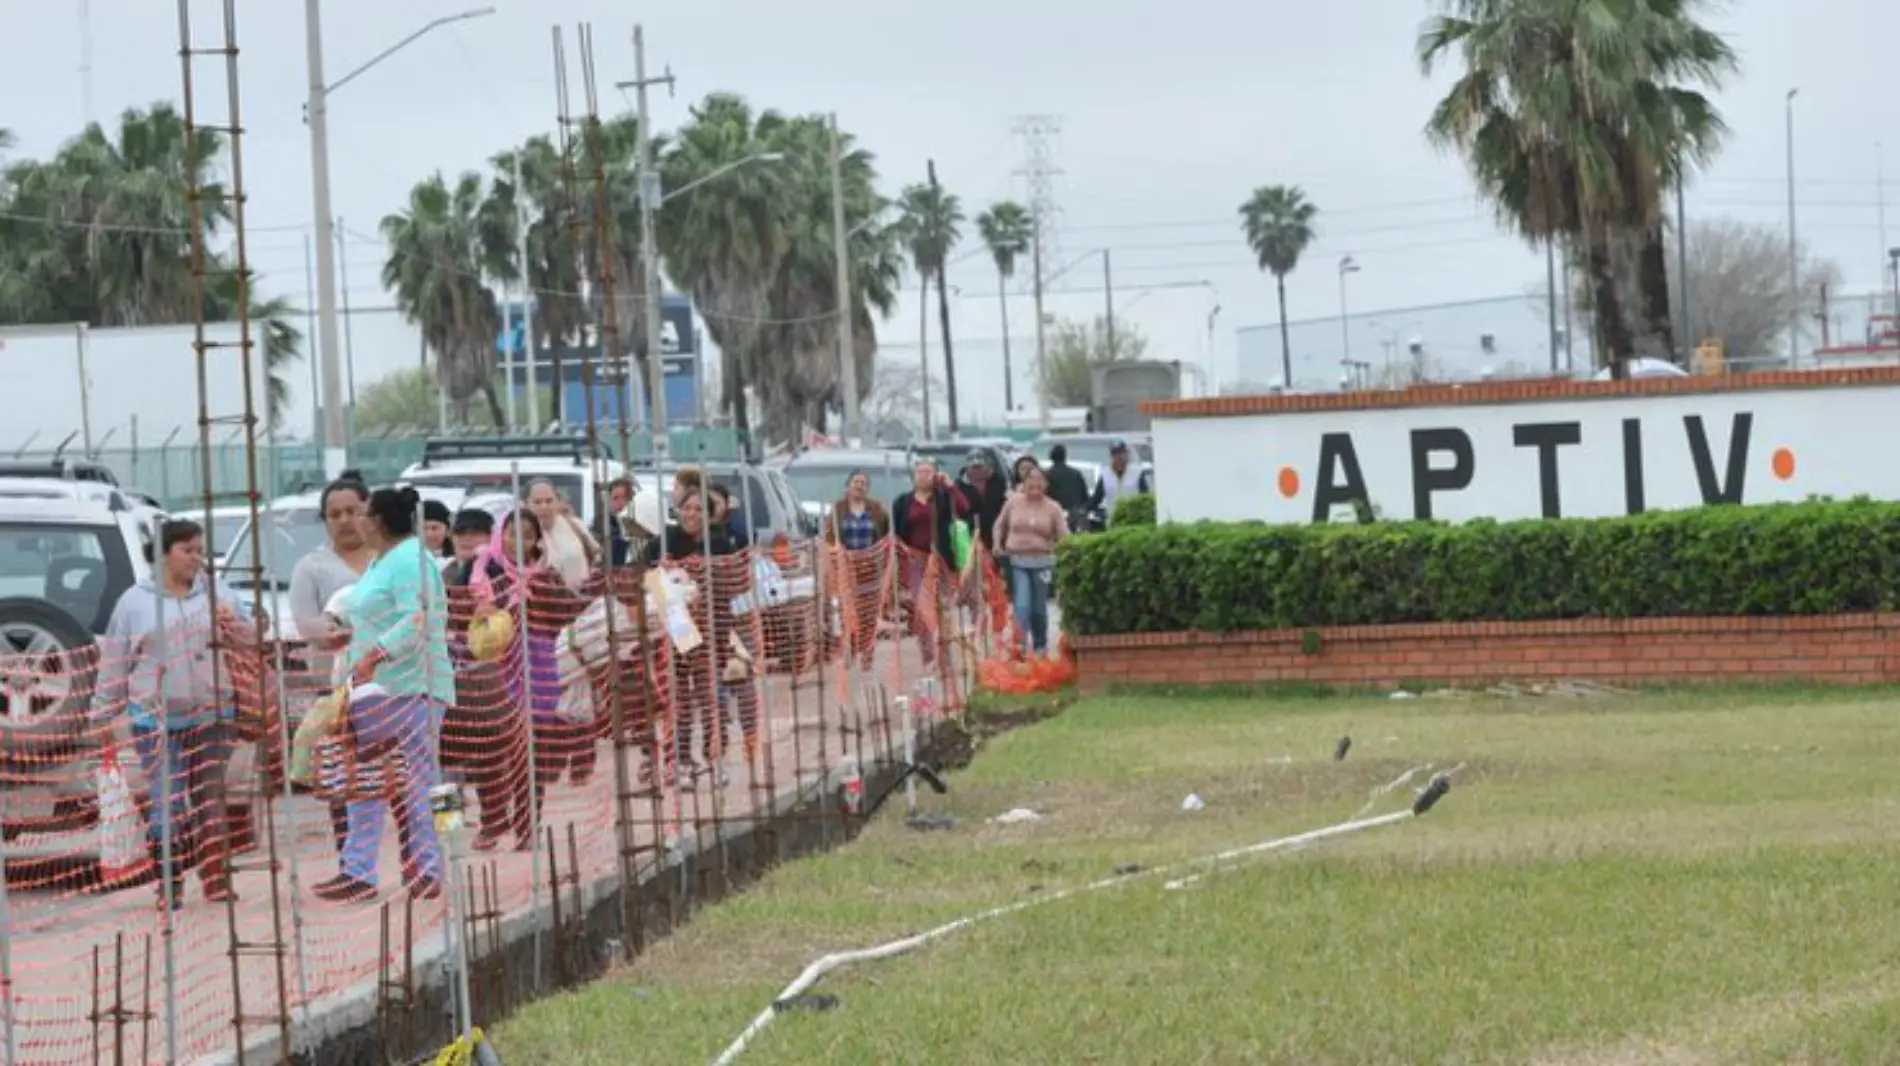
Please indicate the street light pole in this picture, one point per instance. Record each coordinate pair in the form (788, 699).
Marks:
(1346, 266)
(847, 343)
(1794, 255)
(1042, 366)
(334, 436)
(335, 433)
(651, 196)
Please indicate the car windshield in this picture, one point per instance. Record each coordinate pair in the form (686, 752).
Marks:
(1088, 449)
(62, 565)
(572, 487)
(824, 484)
(295, 533)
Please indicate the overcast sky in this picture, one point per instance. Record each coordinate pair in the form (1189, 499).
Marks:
(1171, 114)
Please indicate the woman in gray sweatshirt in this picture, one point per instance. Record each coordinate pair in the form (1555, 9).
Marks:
(158, 670)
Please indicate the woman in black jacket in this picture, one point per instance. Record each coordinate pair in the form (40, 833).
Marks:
(921, 519)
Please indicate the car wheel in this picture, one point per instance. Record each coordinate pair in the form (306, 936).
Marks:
(48, 664)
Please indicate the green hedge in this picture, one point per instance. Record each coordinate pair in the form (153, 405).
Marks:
(1137, 509)
(1821, 557)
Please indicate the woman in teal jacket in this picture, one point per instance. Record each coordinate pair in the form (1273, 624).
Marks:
(398, 625)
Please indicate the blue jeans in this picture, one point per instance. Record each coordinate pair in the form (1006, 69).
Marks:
(413, 723)
(1029, 593)
(193, 780)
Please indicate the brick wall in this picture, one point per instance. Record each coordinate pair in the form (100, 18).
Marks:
(1853, 649)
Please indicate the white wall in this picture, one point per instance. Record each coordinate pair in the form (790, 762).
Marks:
(150, 372)
(1785, 445)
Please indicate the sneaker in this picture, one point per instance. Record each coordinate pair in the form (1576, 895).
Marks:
(345, 889)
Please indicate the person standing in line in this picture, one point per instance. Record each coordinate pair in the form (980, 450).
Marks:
(399, 642)
(314, 582)
(1122, 478)
(1067, 486)
(471, 531)
(983, 489)
(158, 670)
(698, 547)
(485, 734)
(858, 525)
(570, 550)
(436, 527)
(620, 492)
(1028, 531)
(921, 521)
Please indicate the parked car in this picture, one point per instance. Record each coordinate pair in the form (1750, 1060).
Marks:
(819, 477)
(1092, 447)
(296, 529)
(951, 456)
(60, 469)
(486, 465)
(67, 553)
(769, 500)
(222, 526)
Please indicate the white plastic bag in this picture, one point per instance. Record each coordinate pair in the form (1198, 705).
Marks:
(121, 832)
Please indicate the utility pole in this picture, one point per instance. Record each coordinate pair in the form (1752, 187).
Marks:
(1108, 292)
(1794, 252)
(531, 390)
(349, 333)
(335, 436)
(1039, 171)
(650, 196)
(847, 343)
(1880, 205)
(1042, 366)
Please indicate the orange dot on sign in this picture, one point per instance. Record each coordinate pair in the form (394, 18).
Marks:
(1289, 482)
(1782, 463)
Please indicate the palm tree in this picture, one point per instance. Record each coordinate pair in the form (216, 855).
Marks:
(1570, 117)
(802, 384)
(436, 255)
(1007, 229)
(561, 199)
(725, 240)
(1278, 222)
(754, 246)
(100, 233)
(932, 221)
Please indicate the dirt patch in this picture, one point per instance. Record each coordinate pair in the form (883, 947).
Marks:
(965, 736)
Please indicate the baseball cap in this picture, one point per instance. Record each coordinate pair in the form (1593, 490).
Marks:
(977, 457)
(1117, 445)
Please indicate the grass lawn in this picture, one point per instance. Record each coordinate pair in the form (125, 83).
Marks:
(1672, 878)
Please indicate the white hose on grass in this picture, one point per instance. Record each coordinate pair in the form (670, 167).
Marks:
(815, 972)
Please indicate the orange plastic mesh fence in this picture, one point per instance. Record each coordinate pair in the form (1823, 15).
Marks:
(741, 678)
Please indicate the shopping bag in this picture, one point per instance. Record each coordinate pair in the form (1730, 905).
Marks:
(491, 635)
(122, 853)
(319, 723)
(960, 545)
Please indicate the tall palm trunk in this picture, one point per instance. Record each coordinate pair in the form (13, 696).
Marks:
(1009, 377)
(494, 402)
(949, 355)
(1658, 320)
(735, 393)
(1612, 330)
(923, 342)
(1286, 342)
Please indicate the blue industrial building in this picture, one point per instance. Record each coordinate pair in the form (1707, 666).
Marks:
(680, 345)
